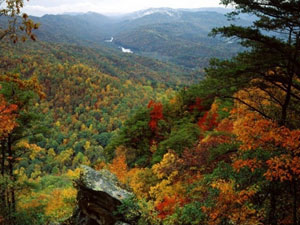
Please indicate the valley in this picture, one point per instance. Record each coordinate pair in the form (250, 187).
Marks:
(176, 36)
(161, 116)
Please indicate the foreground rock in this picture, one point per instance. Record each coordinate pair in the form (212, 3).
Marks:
(99, 195)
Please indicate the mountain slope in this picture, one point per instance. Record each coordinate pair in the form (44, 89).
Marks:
(85, 28)
(178, 36)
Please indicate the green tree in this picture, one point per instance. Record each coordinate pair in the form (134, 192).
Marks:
(272, 58)
(270, 67)
(26, 126)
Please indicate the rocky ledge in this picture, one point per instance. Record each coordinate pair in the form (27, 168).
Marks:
(99, 195)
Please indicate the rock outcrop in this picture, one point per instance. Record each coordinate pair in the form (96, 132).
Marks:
(99, 195)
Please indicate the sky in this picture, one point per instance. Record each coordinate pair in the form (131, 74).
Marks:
(41, 7)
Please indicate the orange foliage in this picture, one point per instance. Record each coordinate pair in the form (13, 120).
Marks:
(283, 168)
(61, 203)
(256, 132)
(226, 125)
(232, 205)
(119, 166)
(7, 117)
(100, 166)
(252, 164)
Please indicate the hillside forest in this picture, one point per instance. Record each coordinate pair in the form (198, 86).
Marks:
(197, 141)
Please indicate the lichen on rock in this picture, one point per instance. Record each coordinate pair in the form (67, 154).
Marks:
(99, 195)
(103, 180)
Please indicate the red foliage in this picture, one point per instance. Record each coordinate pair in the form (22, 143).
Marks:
(202, 121)
(208, 121)
(156, 114)
(195, 157)
(197, 106)
(168, 205)
(153, 124)
(7, 117)
(198, 156)
(226, 125)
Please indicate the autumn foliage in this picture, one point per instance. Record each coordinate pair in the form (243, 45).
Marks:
(209, 119)
(156, 114)
(225, 151)
(119, 166)
(213, 175)
(197, 105)
(7, 117)
(168, 205)
(232, 204)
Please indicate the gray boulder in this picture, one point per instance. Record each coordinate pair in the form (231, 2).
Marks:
(99, 195)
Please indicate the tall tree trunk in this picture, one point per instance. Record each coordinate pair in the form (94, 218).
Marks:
(2, 157)
(295, 202)
(3, 187)
(286, 102)
(289, 88)
(273, 202)
(11, 175)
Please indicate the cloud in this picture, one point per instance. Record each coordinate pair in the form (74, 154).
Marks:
(41, 7)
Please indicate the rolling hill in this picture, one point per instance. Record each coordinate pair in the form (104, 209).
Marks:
(179, 36)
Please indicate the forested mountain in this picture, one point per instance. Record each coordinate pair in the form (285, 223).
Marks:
(88, 87)
(78, 29)
(191, 145)
(88, 95)
(179, 36)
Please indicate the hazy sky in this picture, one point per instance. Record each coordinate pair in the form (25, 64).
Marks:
(41, 7)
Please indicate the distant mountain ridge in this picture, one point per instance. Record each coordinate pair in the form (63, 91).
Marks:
(175, 12)
(179, 36)
(147, 11)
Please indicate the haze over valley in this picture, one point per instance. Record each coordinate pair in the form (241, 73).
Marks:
(132, 112)
(178, 36)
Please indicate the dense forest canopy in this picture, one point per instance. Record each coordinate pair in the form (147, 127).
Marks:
(222, 150)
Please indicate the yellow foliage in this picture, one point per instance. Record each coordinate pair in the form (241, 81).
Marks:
(22, 177)
(74, 174)
(83, 127)
(140, 181)
(167, 188)
(87, 145)
(65, 156)
(35, 150)
(57, 124)
(167, 166)
(61, 203)
(37, 172)
(36, 200)
(51, 152)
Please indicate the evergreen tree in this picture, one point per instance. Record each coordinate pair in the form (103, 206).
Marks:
(269, 68)
(271, 60)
